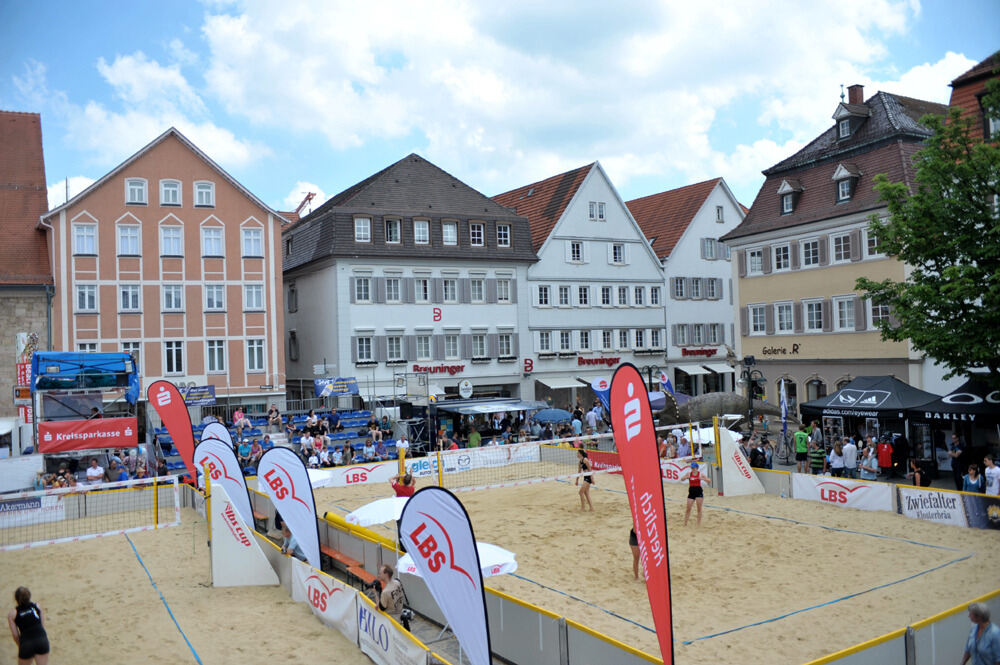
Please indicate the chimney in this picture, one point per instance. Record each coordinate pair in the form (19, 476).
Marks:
(856, 94)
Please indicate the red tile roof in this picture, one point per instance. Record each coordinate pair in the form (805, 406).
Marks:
(24, 255)
(665, 216)
(544, 202)
(981, 70)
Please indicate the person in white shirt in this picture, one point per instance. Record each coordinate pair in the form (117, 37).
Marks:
(591, 417)
(307, 443)
(403, 445)
(313, 461)
(992, 473)
(95, 472)
(850, 459)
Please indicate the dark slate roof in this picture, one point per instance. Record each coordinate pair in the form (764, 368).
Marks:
(544, 202)
(891, 115)
(664, 217)
(410, 188)
(24, 255)
(981, 70)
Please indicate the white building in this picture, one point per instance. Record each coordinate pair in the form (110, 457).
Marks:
(597, 290)
(684, 226)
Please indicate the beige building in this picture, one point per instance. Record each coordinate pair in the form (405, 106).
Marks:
(169, 258)
(805, 241)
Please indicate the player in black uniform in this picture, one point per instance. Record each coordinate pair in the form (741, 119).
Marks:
(28, 629)
(588, 480)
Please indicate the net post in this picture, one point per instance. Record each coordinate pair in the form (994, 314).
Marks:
(691, 438)
(718, 442)
(440, 470)
(156, 503)
(208, 514)
(402, 462)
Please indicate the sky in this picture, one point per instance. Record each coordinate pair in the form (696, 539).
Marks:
(313, 96)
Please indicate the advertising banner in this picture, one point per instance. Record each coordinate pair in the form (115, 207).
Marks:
(982, 511)
(475, 458)
(632, 421)
(738, 478)
(842, 492)
(224, 470)
(437, 533)
(56, 436)
(932, 505)
(354, 474)
(199, 396)
(26, 414)
(217, 431)
(286, 481)
(23, 374)
(31, 510)
(346, 385)
(332, 601)
(382, 640)
(601, 459)
(237, 559)
(169, 405)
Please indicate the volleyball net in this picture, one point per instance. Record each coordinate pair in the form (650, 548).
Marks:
(47, 517)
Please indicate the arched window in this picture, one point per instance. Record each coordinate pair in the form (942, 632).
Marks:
(791, 392)
(815, 388)
(843, 382)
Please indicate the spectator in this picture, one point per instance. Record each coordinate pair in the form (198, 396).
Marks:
(243, 453)
(801, 449)
(536, 429)
(94, 413)
(850, 458)
(758, 458)
(836, 458)
(884, 451)
(454, 445)
(992, 475)
(391, 597)
(307, 442)
(335, 424)
(768, 452)
(39, 483)
(983, 645)
(240, 421)
(817, 458)
(683, 447)
(592, 418)
(381, 452)
(324, 458)
(385, 427)
(274, 419)
(369, 451)
(116, 473)
(577, 426)
(374, 433)
(95, 472)
(475, 439)
(918, 476)
(312, 422)
(266, 443)
(402, 445)
(816, 433)
(955, 451)
(256, 450)
(313, 461)
(745, 446)
(140, 471)
(338, 456)
(348, 455)
(289, 545)
(972, 481)
(161, 467)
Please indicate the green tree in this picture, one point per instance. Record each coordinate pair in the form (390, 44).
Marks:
(947, 232)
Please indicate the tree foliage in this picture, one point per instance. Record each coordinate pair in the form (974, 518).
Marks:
(947, 233)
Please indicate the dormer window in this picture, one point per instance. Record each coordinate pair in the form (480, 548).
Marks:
(788, 195)
(844, 190)
(787, 204)
(846, 177)
(844, 128)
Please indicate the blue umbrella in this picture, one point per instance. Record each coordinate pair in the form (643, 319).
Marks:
(553, 416)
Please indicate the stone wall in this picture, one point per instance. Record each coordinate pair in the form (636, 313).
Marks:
(20, 311)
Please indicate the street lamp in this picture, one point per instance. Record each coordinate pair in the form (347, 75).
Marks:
(651, 371)
(751, 377)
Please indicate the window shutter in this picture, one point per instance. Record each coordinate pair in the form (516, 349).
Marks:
(741, 256)
(464, 290)
(354, 347)
(493, 345)
(854, 185)
(515, 344)
(513, 290)
(569, 250)
(437, 343)
(856, 245)
(793, 254)
(409, 290)
(859, 314)
(893, 319)
(704, 254)
(670, 281)
(768, 320)
(824, 250)
(465, 345)
(718, 288)
(379, 295)
(611, 253)
(827, 315)
(586, 252)
(730, 290)
(765, 259)
(720, 249)
(437, 290)
(491, 290)
(351, 286)
(744, 321)
(798, 325)
(411, 347)
(627, 251)
(380, 348)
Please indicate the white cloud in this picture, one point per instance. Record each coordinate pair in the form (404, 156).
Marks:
(57, 190)
(298, 192)
(930, 80)
(180, 53)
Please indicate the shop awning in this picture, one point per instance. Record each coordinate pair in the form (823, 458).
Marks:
(558, 382)
(435, 389)
(693, 369)
(975, 401)
(869, 396)
(470, 407)
(719, 368)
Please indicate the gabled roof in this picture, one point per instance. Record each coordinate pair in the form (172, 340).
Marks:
(545, 201)
(173, 131)
(665, 216)
(981, 70)
(24, 254)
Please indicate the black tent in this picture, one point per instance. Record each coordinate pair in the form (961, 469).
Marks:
(974, 402)
(869, 397)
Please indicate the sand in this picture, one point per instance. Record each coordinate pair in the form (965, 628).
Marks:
(734, 570)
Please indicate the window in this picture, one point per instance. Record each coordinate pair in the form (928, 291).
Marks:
(654, 338)
(211, 241)
(253, 242)
(84, 239)
(449, 233)
(503, 235)
(204, 194)
(423, 347)
(814, 315)
(87, 347)
(135, 191)
(815, 388)
(365, 351)
(728, 252)
(451, 347)
(584, 340)
(842, 248)
(783, 317)
(565, 340)
(755, 261)
(293, 345)
(394, 349)
(503, 290)
(293, 298)
(170, 192)
(477, 234)
(993, 127)
(872, 246)
(680, 335)
(422, 289)
(622, 296)
(421, 231)
(171, 241)
(719, 214)
(392, 291)
(708, 248)
(605, 296)
(844, 189)
(622, 339)
(174, 352)
(758, 318)
(640, 339)
(715, 333)
(583, 296)
(362, 289)
(288, 247)
(844, 128)
(479, 346)
(173, 298)
(877, 314)
(564, 296)
(134, 348)
(697, 334)
(787, 204)
(215, 297)
(129, 297)
(654, 295)
(255, 355)
(450, 289)
(253, 297)
(544, 341)
(679, 291)
(618, 254)
(543, 296)
(362, 229)
(844, 312)
(696, 287)
(576, 251)
(597, 211)
(782, 257)
(128, 240)
(86, 297)
(810, 253)
(505, 342)
(639, 296)
(392, 230)
(712, 288)
(606, 339)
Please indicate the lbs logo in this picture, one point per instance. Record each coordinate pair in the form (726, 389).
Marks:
(671, 471)
(280, 487)
(837, 493)
(318, 593)
(429, 550)
(358, 474)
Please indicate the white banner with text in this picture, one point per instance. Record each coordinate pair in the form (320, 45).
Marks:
(332, 601)
(842, 492)
(383, 640)
(933, 506)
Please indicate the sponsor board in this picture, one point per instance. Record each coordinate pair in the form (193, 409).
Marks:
(341, 385)
(982, 511)
(237, 559)
(285, 480)
(63, 435)
(932, 506)
(333, 603)
(199, 395)
(31, 510)
(224, 469)
(355, 474)
(384, 641)
(842, 492)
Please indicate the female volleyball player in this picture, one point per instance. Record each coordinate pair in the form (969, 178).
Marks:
(695, 493)
(633, 542)
(27, 626)
(588, 480)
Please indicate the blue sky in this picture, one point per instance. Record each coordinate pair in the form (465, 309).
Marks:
(314, 96)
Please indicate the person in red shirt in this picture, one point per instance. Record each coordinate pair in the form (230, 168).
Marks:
(405, 488)
(695, 493)
(884, 451)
